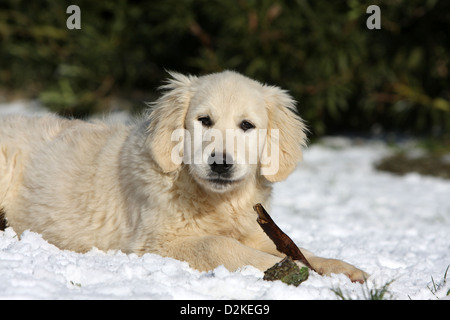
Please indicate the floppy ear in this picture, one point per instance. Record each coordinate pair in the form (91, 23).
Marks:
(168, 115)
(284, 144)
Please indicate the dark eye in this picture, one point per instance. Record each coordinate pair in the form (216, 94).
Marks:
(205, 120)
(246, 125)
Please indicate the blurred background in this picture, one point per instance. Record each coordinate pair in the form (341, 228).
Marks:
(347, 79)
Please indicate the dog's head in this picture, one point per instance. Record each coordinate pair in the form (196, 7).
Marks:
(226, 128)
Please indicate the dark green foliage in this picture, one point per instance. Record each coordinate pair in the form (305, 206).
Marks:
(344, 76)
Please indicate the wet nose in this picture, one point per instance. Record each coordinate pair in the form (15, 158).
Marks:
(220, 167)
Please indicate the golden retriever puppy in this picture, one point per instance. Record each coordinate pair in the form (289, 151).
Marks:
(181, 183)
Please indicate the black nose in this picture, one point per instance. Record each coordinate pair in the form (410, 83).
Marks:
(220, 167)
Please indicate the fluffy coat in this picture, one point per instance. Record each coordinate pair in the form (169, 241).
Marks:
(112, 186)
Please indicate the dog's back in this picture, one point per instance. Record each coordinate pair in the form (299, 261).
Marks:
(50, 160)
(19, 136)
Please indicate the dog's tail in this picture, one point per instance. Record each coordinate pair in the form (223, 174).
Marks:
(3, 223)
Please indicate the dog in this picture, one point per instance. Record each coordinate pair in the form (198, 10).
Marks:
(166, 184)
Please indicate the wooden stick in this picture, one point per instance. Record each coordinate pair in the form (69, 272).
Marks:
(281, 240)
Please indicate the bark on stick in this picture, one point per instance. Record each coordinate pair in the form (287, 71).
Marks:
(281, 240)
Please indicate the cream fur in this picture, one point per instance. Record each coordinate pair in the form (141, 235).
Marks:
(106, 185)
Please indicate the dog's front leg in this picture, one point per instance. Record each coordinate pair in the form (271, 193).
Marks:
(210, 251)
(323, 266)
(326, 266)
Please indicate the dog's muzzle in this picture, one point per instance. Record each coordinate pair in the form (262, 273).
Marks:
(221, 164)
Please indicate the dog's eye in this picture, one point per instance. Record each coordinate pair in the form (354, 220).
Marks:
(205, 120)
(246, 125)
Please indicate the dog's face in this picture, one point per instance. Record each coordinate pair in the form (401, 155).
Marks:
(223, 127)
(226, 129)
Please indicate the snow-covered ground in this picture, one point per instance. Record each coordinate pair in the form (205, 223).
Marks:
(335, 204)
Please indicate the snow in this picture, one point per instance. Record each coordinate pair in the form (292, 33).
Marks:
(335, 204)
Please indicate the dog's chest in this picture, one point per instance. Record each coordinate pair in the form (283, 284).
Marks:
(229, 222)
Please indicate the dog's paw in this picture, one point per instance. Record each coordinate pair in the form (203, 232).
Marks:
(328, 266)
